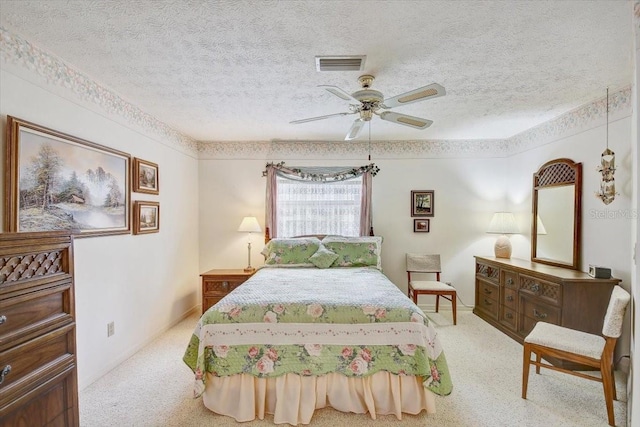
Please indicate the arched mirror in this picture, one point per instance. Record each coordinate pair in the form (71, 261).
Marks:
(555, 230)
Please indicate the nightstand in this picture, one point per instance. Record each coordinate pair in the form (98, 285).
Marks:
(218, 283)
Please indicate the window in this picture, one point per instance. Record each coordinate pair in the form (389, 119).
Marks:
(310, 207)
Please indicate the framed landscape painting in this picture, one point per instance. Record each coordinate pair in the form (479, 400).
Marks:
(146, 217)
(145, 177)
(56, 181)
(420, 225)
(422, 203)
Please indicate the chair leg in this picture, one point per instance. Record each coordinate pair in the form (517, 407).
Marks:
(454, 304)
(607, 385)
(526, 361)
(437, 303)
(415, 297)
(613, 383)
(538, 359)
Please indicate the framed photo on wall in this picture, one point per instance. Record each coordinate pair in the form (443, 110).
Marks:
(56, 181)
(145, 177)
(422, 203)
(146, 217)
(420, 225)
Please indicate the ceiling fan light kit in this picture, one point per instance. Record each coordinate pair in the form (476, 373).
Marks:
(367, 102)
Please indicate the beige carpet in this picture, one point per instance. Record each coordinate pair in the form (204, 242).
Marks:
(154, 388)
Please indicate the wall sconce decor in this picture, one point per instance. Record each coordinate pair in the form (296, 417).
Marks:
(607, 168)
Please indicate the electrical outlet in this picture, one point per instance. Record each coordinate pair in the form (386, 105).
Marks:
(111, 329)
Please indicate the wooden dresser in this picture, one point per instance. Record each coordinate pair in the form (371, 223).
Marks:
(37, 330)
(216, 284)
(514, 294)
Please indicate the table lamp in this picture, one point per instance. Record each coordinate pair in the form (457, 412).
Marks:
(503, 223)
(249, 225)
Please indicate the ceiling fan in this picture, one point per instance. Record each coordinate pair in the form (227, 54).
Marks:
(367, 102)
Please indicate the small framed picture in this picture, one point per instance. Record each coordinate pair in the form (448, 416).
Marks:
(420, 225)
(145, 177)
(146, 217)
(422, 203)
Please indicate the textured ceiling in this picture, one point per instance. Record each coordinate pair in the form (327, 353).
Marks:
(241, 71)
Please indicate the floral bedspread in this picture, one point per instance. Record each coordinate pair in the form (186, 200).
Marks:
(311, 321)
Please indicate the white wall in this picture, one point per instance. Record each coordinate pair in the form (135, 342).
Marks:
(606, 230)
(143, 283)
(467, 192)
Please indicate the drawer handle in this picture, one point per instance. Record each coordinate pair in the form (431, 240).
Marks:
(539, 315)
(6, 371)
(3, 319)
(535, 287)
(488, 291)
(509, 297)
(487, 302)
(509, 316)
(225, 285)
(509, 281)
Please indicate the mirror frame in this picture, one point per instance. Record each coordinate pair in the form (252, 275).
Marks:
(554, 173)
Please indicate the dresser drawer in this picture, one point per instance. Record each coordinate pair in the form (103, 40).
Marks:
(508, 317)
(550, 292)
(34, 361)
(487, 291)
(50, 404)
(488, 272)
(510, 279)
(487, 298)
(28, 315)
(510, 298)
(532, 311)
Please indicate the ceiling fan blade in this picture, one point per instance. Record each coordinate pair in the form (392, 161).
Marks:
(431, 91)
(356, 127)
(403, 119)
(311, 119)
(341, 94)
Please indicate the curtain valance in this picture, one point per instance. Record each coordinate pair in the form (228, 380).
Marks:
(322, 174)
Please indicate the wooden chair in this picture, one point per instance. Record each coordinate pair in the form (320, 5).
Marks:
(580, 347)
(420, 263)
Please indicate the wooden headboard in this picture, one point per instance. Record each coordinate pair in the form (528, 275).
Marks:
(267, 235)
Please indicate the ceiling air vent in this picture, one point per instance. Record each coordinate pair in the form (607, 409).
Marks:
(340, 63)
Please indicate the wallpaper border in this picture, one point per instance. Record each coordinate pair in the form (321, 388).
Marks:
(14, 49)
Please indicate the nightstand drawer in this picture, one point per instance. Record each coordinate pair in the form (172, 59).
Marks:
(216, 284)
(221, 286)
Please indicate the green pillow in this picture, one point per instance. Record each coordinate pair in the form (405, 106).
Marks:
(323, 258)
(290, 252)
(353, 254)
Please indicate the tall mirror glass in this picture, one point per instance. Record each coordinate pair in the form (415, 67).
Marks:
(555, 235)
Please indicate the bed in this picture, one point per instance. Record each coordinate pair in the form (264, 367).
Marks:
(319, 325)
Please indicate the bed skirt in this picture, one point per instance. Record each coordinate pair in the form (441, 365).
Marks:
(292, 398)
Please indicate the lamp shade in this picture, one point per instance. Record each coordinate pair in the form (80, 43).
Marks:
(540, 226)
(503, 223)
(250, 224)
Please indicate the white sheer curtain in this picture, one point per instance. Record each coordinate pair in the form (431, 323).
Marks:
(318, 200)
(308, 207)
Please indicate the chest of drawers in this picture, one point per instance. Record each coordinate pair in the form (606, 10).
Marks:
(38, 383)
(514, 294)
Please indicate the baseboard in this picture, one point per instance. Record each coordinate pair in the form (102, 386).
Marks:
(443, 307)
(116, 362)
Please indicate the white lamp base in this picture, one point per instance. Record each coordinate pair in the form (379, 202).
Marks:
(502, 248)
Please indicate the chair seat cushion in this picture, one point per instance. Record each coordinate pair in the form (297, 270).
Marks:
(577, 342)
(426, 285)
